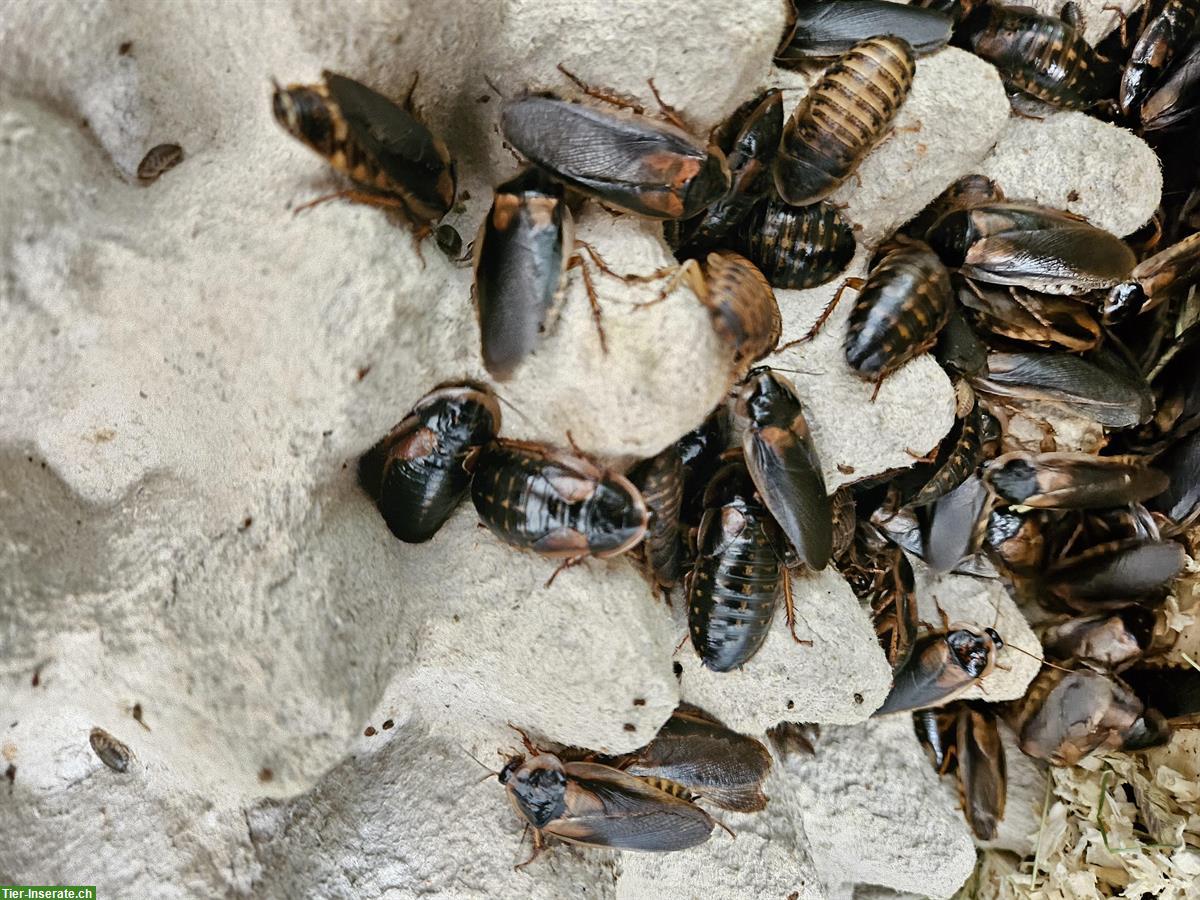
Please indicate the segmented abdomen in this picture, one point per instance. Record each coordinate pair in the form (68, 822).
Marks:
(798, 247)
(745, 313)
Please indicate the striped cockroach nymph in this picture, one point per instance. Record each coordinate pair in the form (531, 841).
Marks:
(797, 247)
(845, 114)
(393, 159)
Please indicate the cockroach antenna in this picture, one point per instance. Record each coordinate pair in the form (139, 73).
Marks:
(794, 371)
(492, 773)
(1040, 659)
(511, 406)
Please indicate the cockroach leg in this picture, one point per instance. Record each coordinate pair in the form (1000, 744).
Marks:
(539, 845)
(683, 640)
(789, 608)
(526, 740)
(606, 95)
(853, 283)
(411, 90)
(670, 113)
(878, 385)
(565, 564)
(728, 830)
(593, 300)
(1123, 20)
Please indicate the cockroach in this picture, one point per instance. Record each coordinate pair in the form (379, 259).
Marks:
(797, 247)
(595, 805)
(880, 575)
(750, 140)
(698, 753)
(700, 452)
(953, 526)
(904, 528)
(937, 730)
(842, 117)
(959, 454)
(1042, 56)
(1072, 480)
(1031, 246)
(829, 28)
(158, 161)
(959, 348)
(449, 241)
(966, 192)
(113, 753)
(1067, 715)
(555, 503)
(660, 480)
(1180, 500)
(734, 585)
(952, 8)
(782, 461)
(901, 306)
(1177, 102)
(1164, 35)
(393, 160)
(1015, 540)
(942, 666)
(1118, 400)
(982, 769)
(744, 311)
(418, 473)
(1106, 642)
(522, 254)
(1153, 280)
(789, 739)
(1042, 319)
(650, 168)
(1115, 574)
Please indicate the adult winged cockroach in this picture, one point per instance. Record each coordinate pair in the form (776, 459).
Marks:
(1072, 480)
(827, 29)
(942, 666)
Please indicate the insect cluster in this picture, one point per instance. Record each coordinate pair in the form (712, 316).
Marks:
(1040, 318)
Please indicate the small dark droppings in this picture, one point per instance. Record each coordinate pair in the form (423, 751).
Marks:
(483, 98)
(265, 775)
(327, 433)
(125, 47)
(454, 618)
(388, 723)
(639, 701)
(1073, 196)
(137, 716)
(629, 726)
(794, 895)
(369, 731)
(362, 372)
(37, 677)
(247, 522)
(344, 465)
(79, 521)
(85, 124)
(791, 704)
(858, 698)
(845, 469)
(11, 774)
(143, 395)
(464, 196)
(677, 668)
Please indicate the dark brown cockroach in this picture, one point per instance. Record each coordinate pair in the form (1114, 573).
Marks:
(904, 528)
(793, 738)
(797, 247)
(1065, 716)
(1031, 246)
(880, 575)
(966, 192)
(982, 769)
(1040, 55)
(521, 257)
(555, 503)
(1015, 540)
(595, 805)
(418, 473)
(1116, 574)
(113, 753)
(829, 28)
(745, 314)
(1177, 102)
(749, 139)
(1072, 480)
(393, 159)
(1181, 498)
(953, 527)
(937, 730)
(700, 451)
(449, 241)
(660, 480)
(1106, 642)
(1153, 280)
(783, 464)
(642, 166)
(696, 752)
(158, 161)
(1111, 398)
(959, 348)
(842, 117)
(735, 582)
(1164, 35)
(1042, 319)
(959, 454)
(943, 665)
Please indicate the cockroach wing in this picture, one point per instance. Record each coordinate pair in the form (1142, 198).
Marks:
(1057, 261)
(982, 771)
(405, 149)
(788, 476)
(697, 752)
(930, 677)
(607, 808)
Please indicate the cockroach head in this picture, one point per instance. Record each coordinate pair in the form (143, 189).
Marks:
(513, 764)
(303, 112)
(1122, 300)
(538, 786)
(974, 651)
